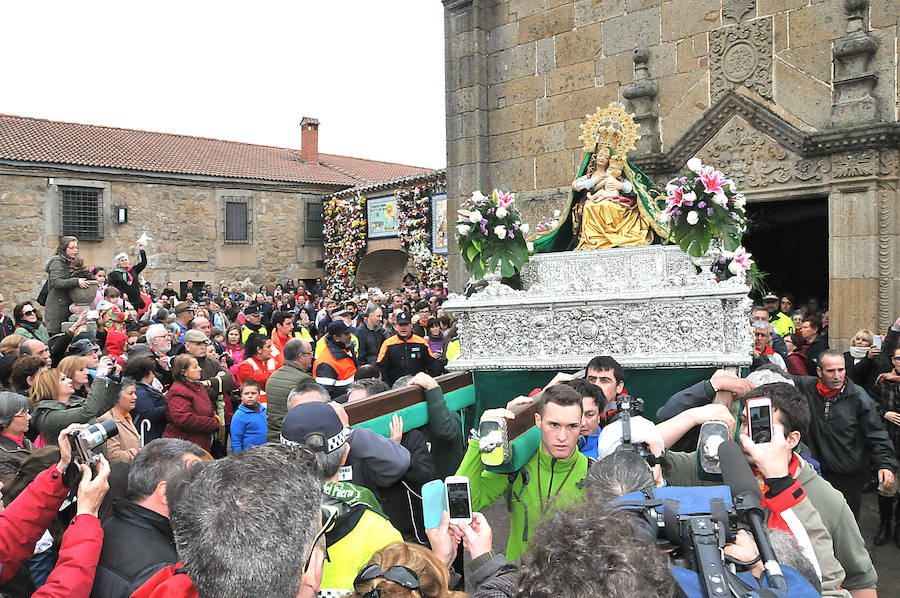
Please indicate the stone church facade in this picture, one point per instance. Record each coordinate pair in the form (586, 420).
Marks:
(795, 99)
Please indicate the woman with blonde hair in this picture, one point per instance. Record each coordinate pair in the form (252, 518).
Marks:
(860, 359)
(75, 369)
(404, 569)
(54, 406)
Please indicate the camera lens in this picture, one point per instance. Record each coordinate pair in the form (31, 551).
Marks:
(99, 433)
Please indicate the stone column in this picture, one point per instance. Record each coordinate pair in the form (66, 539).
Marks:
(466, 24)
(853, 102)
(641, 96)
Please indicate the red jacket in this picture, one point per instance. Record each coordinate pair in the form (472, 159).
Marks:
(190, 414)
(23, 522)
(73, 576)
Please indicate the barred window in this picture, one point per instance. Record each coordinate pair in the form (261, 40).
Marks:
(81, 212)
(237, 220)
(315, 221)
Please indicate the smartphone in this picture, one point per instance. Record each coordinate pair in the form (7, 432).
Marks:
(876, 341)
(434, 503)
(459, 501)
(759, 419)
(712, 434)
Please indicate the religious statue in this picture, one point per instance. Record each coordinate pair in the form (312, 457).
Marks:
(611, 203)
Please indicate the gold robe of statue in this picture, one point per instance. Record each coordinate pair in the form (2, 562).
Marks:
(606, 218)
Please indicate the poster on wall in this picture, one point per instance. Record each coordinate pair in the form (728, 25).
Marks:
(439, 239)
(383, 217)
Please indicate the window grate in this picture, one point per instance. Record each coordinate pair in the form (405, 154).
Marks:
(237, 220)
(81, 212)
(315, 221)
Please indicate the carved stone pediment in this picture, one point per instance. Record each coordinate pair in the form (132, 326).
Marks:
(755, 160)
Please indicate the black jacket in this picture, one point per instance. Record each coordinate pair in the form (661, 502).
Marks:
(402, 502)
(129, 284)
(401, 357)
(813, 351)
(861, 372)
(137, 542)
(852, 432)
(369, 343)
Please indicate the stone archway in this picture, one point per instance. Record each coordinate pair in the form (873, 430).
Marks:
(383, 268)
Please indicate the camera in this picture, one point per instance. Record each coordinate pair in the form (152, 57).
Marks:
(621, 413)
(85, 440)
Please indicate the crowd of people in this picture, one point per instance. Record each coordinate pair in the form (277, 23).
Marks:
(234, 470)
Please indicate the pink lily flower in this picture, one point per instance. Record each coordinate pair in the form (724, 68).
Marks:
(712, 181)
(676, 198)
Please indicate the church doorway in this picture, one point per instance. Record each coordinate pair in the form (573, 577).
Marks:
(789, 241)
(383, 268)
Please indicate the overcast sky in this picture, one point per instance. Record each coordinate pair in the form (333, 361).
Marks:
(372, 72)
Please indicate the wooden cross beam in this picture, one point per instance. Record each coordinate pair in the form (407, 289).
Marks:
(385, 403)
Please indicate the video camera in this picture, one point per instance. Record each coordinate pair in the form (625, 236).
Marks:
(699, 521)
(622, 410)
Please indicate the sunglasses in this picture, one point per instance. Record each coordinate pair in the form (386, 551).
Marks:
(397, 574)
(329, 516)
(28, 312)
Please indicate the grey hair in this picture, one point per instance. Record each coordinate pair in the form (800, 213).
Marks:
(402, 382)
(789, 553)
(768, 374)
(371, 307)
(157, 462)
(294, 347)
(763, 326)
(277, 490)
(329, 463)
(372, 386)
(616, 475)
(155, 331)
(309, 386)
(11, 403)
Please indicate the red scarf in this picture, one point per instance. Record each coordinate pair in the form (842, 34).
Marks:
(827, 393)
(768, 350)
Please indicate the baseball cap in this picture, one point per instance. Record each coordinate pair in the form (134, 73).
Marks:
(342, 313)
(195, 336)
(310, 419)
(770, 297)
(336, 328)
(83, 347)
(404, 317)
(183, 307)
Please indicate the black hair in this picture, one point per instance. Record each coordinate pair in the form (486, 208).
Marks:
(586, 389)
(367, 371)
(559, 394)
(254, 344)
(280, 316)
(789, 401)
(605, 362)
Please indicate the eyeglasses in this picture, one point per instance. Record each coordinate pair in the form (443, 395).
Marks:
(398, 574)
(895, 358)
(29, 312)
(329, 516)
(26, 414)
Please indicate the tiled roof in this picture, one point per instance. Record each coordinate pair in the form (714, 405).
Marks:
(36, 140)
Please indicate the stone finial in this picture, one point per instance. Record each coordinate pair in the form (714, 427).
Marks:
(853, 80)
(641, 97)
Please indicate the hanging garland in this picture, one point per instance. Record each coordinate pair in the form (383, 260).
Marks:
(345, 241)
(414, 205)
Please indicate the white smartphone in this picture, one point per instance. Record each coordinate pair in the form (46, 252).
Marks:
(459, 500)
(759, 419)
(876, 341)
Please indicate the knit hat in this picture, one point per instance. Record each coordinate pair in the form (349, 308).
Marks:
(309, 419)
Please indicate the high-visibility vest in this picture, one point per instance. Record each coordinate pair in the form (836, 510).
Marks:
(345, 368)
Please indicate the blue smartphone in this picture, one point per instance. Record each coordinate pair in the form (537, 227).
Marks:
(434, 498)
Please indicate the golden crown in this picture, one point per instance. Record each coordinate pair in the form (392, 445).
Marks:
(611, 127)
(618, 160)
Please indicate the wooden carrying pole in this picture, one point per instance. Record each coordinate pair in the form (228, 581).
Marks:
(385, 403)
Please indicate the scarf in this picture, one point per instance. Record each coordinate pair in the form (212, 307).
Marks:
(768, 350)
(825, 392)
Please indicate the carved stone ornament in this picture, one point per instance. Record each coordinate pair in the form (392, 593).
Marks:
(753, 159)
(735, 11)
(645, 306)
(864, 163)
(741, 54)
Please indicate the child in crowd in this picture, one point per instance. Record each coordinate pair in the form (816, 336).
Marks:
(248, 426)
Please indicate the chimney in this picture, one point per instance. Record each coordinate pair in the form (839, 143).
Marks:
(309, 140)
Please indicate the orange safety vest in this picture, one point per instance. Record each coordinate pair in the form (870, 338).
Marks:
(345, 368)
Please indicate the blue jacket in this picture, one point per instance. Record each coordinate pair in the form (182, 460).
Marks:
(589, 445)
(151, 406)
(248, 428)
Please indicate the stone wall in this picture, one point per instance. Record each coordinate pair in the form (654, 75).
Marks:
(774, 89)
(184, 221)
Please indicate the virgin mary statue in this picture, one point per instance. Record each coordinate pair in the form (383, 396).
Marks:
(611, 202)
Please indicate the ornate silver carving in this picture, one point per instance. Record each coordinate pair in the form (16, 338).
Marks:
(646, 306)
(741, 55)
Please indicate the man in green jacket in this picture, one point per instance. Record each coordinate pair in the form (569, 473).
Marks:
(549, 479)
(298, 357)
